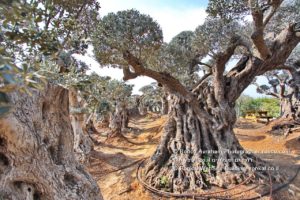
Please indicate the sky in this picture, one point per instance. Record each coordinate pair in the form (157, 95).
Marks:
(173, 16)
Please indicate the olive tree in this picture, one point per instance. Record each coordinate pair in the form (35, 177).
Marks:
(37, 141)
(280, 86)
(108, 99)
(202, 115)
(284, 85)
(75, 80)
(153, 99)
(119, 117)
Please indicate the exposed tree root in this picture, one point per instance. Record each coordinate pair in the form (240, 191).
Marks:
(221, 193)
(284, 127)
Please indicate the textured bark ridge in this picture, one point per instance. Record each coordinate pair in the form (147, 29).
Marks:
(290, 102)
(290, 108)
(119, 119)
(82, 142)
(197, 153)
(164, 105)
(37, 158)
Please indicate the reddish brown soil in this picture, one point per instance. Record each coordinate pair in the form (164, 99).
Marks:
(114, 161)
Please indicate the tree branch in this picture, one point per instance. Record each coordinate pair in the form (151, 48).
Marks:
(218, 70)
(204, 64)
(284, 44)
(272, 94)
(164, 78)
(127, 74)
(258, 33)
(281, 48)
(274, 6)
(285, 67)
(238, 67)
(223, 57)
(282, 90)
(76, 17)
(267, 92)
(200, 82)
(171, 83)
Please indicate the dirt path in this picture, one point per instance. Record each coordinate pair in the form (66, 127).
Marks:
(111, 156)
(282, 152)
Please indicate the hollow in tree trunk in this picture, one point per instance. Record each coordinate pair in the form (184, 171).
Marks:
(196, 152)
(37, 158)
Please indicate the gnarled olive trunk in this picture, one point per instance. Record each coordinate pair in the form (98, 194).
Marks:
(82, 143)
(164, 105)
(197, 152)
(119, 119)
(286, 108)
(290, 100)
(37, 158)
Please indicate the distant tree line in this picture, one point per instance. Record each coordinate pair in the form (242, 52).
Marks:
(247, 103)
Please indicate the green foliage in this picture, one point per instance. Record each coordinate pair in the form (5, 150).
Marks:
(208, 164)
(124, 31)
(214, 35)
(247, 103)
(101, 93)
(227, 9)
(181, 46)
(14, 78)
(35, 33)
(287, 13)
(184, 57)
(46, 26)
(151, 95)
(271, 105)
(130, 31)
(164, 182)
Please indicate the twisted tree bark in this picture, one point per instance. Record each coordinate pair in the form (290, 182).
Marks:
(197, 153)
(164, 105)
(290, 102)
(37, 158)
(199, 148)
(82, 143)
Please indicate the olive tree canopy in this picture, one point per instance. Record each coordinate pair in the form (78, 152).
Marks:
(202, 114)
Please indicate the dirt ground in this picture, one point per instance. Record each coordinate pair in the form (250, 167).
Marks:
(114, 161)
